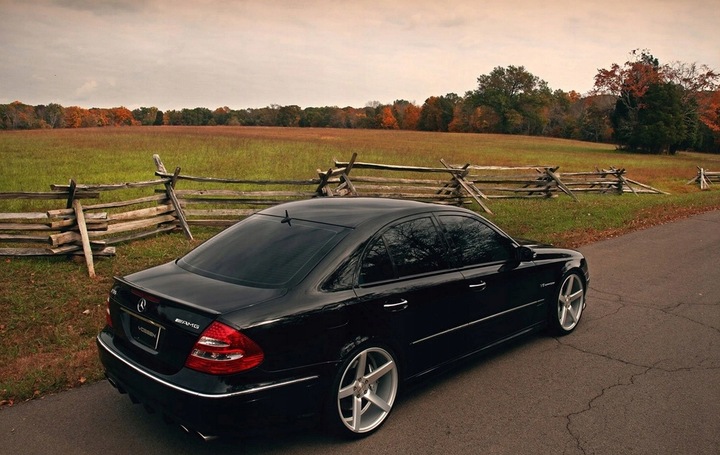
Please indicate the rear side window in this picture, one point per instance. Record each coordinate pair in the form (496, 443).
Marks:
(263, 251)
(473, 242)
(409, 248)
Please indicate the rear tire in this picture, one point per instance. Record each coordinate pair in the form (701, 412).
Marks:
(363, 392)
(569, 304)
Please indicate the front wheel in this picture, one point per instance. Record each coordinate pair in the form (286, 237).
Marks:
(569, 305)
(364, 391)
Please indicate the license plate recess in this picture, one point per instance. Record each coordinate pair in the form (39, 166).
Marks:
(145, 331)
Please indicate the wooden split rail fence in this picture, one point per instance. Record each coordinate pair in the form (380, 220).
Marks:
(53, 228)
(224, 207)
(88, 229)
(499, 182)
(86, 226)
(469, 183)
(451, 188)
(705, 178)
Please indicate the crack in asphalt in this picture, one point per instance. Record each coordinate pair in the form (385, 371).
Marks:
(629, 382)
(589, 406)
(669, 309)
(569, 418)
(622, 303)
(611, 305)
(600, 291)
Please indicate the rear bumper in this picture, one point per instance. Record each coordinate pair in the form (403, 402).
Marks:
(220, 408)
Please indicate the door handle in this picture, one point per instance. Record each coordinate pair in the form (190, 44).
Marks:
(479, 286)
(398, 306)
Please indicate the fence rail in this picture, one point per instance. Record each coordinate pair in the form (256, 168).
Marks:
(89, 227)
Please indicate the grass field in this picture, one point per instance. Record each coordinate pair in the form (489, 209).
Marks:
(50, 311)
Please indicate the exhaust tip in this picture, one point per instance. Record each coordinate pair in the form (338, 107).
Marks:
(114, 383)
(205, 438)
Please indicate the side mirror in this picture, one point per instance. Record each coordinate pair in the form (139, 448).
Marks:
(525, 254)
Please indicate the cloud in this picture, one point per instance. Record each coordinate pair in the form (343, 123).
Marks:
(87, 89)
(182, 53)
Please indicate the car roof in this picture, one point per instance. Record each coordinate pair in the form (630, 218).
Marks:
(350, 211)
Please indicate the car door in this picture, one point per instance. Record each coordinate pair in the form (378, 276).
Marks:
(500, 289)
(409, 293)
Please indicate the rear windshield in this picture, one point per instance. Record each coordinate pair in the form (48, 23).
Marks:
(264, 251)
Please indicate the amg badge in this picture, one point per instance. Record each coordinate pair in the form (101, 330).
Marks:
(187, 323)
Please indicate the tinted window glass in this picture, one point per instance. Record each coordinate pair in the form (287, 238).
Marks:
(415, 247)
(262, 251)
(377, 265)
(409, 248)
(344, 277)
(473, 242)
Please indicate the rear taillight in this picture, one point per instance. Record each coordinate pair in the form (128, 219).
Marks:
(224, 350)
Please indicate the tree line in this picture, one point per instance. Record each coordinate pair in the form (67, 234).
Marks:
(640, 105)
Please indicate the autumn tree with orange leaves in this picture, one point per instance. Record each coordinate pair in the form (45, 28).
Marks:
(388, 120)
(436, 113)
(407, 114)
(658, 108)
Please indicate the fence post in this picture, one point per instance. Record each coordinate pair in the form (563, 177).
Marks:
(471, 189)
(624, 181)
(170, 190)
(71, 193)
(345, 179)
(82, 226)
(87, 251)
(551, 173)
(322, 189)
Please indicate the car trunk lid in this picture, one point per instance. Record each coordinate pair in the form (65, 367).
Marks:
(158, 314)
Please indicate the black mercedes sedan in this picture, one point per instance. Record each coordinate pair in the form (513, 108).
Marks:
(325, 307)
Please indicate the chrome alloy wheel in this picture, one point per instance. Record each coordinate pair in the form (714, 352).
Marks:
(571, 302)
(367, 390)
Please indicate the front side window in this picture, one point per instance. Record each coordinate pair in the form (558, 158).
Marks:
(473, 242)
(409, 248)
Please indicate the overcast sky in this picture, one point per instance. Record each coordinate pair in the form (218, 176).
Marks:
(176, 54)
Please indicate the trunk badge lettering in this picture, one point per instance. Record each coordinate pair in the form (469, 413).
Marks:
(187, 323)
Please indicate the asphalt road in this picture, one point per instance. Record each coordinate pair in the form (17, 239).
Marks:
(640, 375)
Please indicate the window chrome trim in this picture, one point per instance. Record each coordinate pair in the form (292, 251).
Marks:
(468, 324)
(200, 394)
